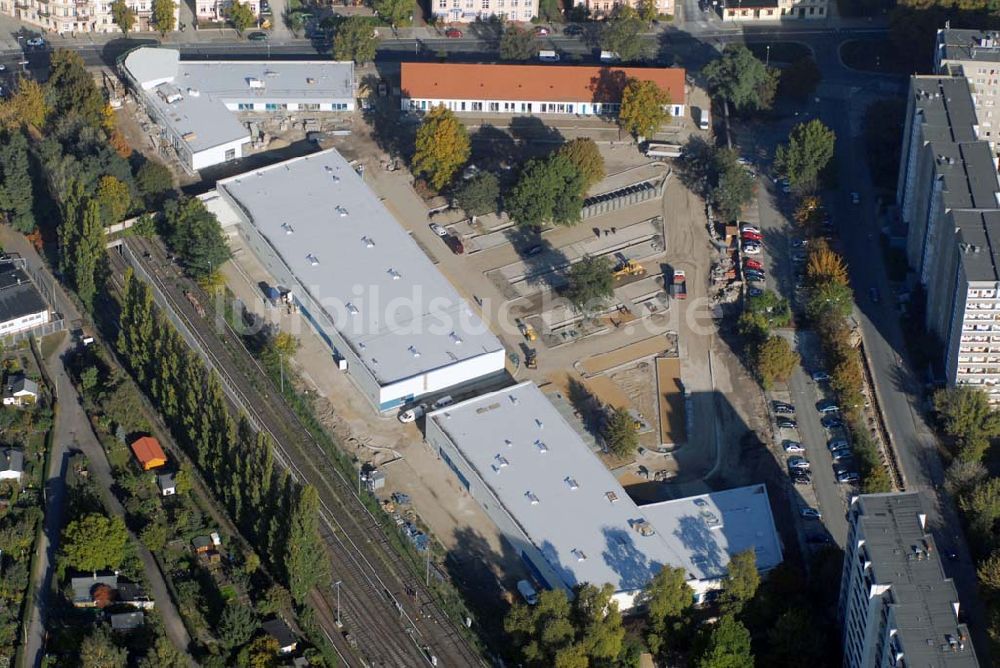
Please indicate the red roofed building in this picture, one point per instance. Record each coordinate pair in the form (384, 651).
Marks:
(584, 90)
(149, 453)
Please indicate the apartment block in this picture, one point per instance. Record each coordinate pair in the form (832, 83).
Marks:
(467, 11)
(78, 16)
(602, 8)
(215, 10)
(975, 56)
(897, 608)
(773, 10)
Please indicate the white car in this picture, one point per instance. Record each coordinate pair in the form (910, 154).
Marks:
(800, 463)
(751, 249)
(412, 414)
(749, 228)
(36, 42)
(793, 446)
(439, 230)
(811, 513)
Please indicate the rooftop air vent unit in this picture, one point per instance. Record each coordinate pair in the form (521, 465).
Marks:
(414, 351)
(612, 497)
(255, 83)
(194, 92)
(313, 260)
(571, 482)
(540, 424)
(532, 498)
(513, 399)
(341, 211)
(542, 448)
(501, 461)
(456, 339)
(395, 274)
(643, 527)
(579, 554)
(509, 443)
(287, 228)
(368, 242)
(351, 308)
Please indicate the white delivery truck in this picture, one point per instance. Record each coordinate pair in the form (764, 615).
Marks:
(548, 56)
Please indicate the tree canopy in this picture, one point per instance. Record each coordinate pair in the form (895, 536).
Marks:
(668, 597)
(71, 91)
(442, 147)
(195, 235)
(154, 181)
(163, 16)
(799, 80)
(620, 432)
(516, 43)
(966, 416)
(740, 582)
(123, 15)
(16, 189)
(586, 157)
(240, 15)
(394, 12)
(548, 190)
(94, 542)
(355, 40)
(643, 108)
(728, 646)
(98, 650)
(807, 153)
(774, 361)
(590, 282)
(479, 195)
(620, 34)
(237, 624)
(742, 79)
(27, 106)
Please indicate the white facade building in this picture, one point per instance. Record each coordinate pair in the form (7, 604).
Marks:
(364, 285)
(75, 16)
(974, 55)
(582, 90)
(747, 11)
(567, 516)
(897, 607)
(215, 10)
(467, 11)
(21, 305)
(196, 103)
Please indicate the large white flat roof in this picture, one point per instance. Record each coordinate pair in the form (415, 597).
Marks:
(578, 515)
(200, 90)
(390, 303)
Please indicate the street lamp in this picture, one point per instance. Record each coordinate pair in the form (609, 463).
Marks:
(337, 584)
(767, 61)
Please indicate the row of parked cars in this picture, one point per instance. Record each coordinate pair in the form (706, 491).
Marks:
(798, 466)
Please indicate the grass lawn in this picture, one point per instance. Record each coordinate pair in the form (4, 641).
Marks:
(51, 343)
(873, 55)
(781, 52)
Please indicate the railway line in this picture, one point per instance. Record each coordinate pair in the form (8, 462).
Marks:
(389, 617)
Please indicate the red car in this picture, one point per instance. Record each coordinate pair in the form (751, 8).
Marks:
(453, 32)
(753, 264)
(750, 236)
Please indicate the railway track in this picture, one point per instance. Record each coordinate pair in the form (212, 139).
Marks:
(389, 617)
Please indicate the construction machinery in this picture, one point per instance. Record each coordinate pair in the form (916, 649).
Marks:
(627, 267)
(527, 331)
(531, 358)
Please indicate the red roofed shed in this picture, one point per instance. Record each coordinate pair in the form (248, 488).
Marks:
(149, 453)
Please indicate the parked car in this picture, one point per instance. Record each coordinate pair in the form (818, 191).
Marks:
(412, 414)
(800, 477)
(798, 463)
(800, 243)
(810, 513)
(786, 423)
(782, 407)
(257, 36)
(527, 592)
(793, 446)
(747, 235)
(454, 243)
(439, 230)
(747, 227)
(844, 457)
(572, 30)
(832, 422)
(827, 407)
(534, 250)
(541, 30)
(848, 477)
(755, 276)
(838, 444)
(453, 33)
(753, 264)
(820, 376)
(755, 292)
(751, 249)
(36, 42)
(855, 198)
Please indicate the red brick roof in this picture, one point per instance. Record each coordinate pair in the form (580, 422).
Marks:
(541, 83)
(149, 453)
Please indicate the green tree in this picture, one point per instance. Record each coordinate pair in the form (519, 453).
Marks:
(981, 506)
(732, 185)
(829, 300)
(114, 199)
(799, 80)
(394, 12)
(479, 195)
(71, 91)
(516, 43)
(163, 16)
(547, 190)
(808, 152)
(589, 282)
(355, 40)
(587, 159)
(195, 235)
(646, 9)
(94, 542)
(26, 107)
(793, 639)
(16, 191)
(305, 558)
(84, 256)
(598, 623)
(154, 181)
(237, 625)
(774, 361)
(740, 582)
(620, 34)
(775, 310)
(261, 653)
(241, 16)
(183, 479)
(163, 655)
(549, 10)
(98, 650)
(988, 573)
(962, 476)
(155, 535)
(741, 79)
(620, 432)
(966, 416)
(643, 108)
(442, 147)
(728, 646)
(89, 378)
(668, 597)
(123, 15)
(825, 265)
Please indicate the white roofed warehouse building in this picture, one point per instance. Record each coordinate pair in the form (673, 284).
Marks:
(388, 315)
(196, 104)
(581, 90)
(567, 516)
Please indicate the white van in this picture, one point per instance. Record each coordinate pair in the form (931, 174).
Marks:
(527, 592)
(610, 57)
(548, 56)
(704, 122)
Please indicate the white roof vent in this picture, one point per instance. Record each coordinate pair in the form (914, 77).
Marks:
(413, 351)
(351, 308)
(328, 168)
(612, 497)
(571, 481)
(313, 260)
(368, 242)
(540, 424)
(395, 274)
(287, 228)
(509, 443)
(579, 554)
(341, 211)
(513, 399)
(253, 82)
(194, 92)
(532, 498)
(542, 448)
(502, 461)
(336, 179)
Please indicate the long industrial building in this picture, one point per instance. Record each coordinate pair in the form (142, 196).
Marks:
(364, 285)
(897, 607)
(567, 516)
(195, 103)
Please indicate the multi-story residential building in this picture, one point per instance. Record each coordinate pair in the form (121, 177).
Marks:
(773, 10)
(70, 16)
(602, 8)
(467, 11)
(583, 90)
(897, 607)
(215, 10)
(974, 55)
(949, 195)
